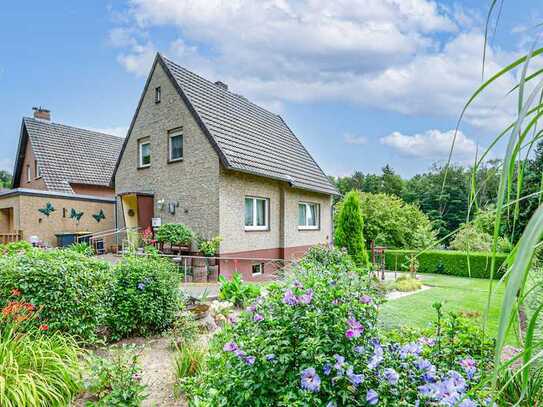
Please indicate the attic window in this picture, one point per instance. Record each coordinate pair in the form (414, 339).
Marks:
(28, 173)
(157, 94)
(37, 170)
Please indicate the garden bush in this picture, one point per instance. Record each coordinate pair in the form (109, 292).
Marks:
(37, 367)
(454, 263)
(175, 234)
(145, 296)
(72, 289)
(313, 341)
(9, 249)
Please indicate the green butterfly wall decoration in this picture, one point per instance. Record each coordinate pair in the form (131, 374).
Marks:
(75, 215)
(49, 208)
(99, 216)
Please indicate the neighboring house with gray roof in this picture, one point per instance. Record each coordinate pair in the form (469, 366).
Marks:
(65, 168)
(201, 155)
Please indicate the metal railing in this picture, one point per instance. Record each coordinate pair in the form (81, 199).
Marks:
(10, 237)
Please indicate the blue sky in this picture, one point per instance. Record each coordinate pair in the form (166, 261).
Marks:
(362, 83)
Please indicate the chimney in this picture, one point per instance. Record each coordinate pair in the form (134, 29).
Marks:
(221, 85)
(42, 114)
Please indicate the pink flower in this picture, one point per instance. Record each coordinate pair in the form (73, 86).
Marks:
(355, 329)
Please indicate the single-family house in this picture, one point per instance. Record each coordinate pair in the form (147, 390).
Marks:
(61, 184)
(198, 154)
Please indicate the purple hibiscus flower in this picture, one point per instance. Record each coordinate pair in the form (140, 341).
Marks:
(377, 356)
(250, 360)
(355, 379)
(258, 318)
(270, 357)
(355, 329)
(230, 347)
(410, 349)
(310, 380)
(359, 349)
(289, 298)
(372, 397)
(141, 286)
(252, 307)
(391, 376)
(423, 340)
(306, 297)
(327, 368)
(467, 403)
(470, 367)
(365, 299)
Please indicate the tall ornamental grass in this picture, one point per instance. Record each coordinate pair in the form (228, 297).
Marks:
(37, 368)
(520, 137)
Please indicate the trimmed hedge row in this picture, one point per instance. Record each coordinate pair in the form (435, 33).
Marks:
(454, 263)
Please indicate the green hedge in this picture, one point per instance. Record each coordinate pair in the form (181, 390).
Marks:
(454, 263)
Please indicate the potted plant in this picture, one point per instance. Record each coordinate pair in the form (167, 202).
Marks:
(210, 248)
(176, 234)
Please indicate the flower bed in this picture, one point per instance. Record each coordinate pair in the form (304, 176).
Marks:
(313, 341)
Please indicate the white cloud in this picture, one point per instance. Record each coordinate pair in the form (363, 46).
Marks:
(6, 164)
(354, 139)
(432, 144)
(405, 56)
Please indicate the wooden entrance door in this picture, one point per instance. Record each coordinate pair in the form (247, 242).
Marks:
(145, 211)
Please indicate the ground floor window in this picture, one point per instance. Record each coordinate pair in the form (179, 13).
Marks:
(258, 269)
(256, 213)
(308, 215)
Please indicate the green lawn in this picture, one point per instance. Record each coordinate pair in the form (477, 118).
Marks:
(456, 294)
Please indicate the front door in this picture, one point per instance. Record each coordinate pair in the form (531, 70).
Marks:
(145, 211)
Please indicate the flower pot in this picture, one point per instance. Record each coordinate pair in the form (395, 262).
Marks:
(212, 273)
(199, 273)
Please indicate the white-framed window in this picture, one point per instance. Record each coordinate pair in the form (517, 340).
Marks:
(175, 143)
(308, 215)
(257, 269)
(144, 151)
(37, 170)
(28, 173)
(256, 213)
(158, 94)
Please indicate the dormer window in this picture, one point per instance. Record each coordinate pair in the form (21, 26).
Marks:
(144, 150)
(157, 94)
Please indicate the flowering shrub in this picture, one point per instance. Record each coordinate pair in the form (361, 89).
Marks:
(144, 298)
(276, 351)
(314, 341)
(71, 289)
(237, 291)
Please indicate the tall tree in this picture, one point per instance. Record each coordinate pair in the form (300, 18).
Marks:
(349, 228)
(5, 179)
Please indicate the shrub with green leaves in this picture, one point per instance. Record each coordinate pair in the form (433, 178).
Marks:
(175, 233)
(349, 228)
(37, 367)
(21, 246)
(72, 289)
(406, 284)
(82, 248)
(145, 296)
(450, 262)
(237, 291)
(116, 381)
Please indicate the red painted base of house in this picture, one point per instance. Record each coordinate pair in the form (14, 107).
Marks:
(268, 261)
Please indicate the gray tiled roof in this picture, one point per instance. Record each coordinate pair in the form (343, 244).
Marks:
(250, 138)
(69, 154)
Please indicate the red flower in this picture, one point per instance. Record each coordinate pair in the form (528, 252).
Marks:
(16, 292)
(44, 327)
